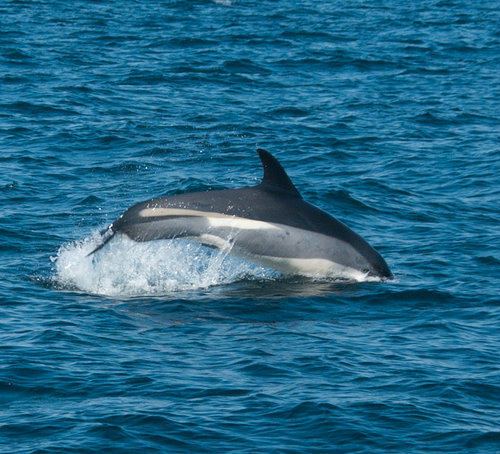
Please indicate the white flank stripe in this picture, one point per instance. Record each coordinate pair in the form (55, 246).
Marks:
(214, 219)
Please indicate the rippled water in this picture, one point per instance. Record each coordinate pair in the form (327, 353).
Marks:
(385, 114)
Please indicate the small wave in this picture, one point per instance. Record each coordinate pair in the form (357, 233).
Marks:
(127, 268)
(28, 108)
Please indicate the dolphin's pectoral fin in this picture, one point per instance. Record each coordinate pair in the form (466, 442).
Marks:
(106, 237)
(275, 178)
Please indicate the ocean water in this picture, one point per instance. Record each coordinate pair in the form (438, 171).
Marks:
(386, 114)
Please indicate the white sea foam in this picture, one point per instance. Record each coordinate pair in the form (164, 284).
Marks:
(127, 268)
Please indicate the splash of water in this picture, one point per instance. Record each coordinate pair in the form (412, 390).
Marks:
(127, 268)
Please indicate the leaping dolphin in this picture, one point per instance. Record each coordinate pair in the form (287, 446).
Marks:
(269, 224)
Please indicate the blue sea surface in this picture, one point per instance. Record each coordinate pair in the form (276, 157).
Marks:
(385, 114)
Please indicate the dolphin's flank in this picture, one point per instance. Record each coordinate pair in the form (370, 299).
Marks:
(269, 224)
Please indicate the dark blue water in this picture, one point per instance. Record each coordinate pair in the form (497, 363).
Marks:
(385, 114)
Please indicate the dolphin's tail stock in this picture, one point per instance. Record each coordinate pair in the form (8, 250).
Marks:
(106, 235)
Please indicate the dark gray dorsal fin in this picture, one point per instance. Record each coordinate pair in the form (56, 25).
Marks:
(275, 177)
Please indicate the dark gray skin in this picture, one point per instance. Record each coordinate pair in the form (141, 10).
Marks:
(290, 228)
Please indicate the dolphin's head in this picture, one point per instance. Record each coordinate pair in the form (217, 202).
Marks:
(378, 267)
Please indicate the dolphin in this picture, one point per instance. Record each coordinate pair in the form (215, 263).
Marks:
(269, 224)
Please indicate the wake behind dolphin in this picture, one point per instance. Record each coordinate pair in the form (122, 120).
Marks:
(269, 224)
